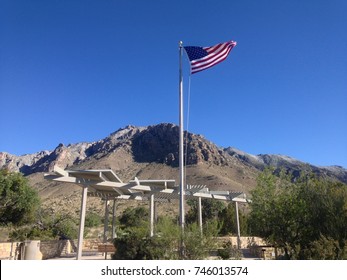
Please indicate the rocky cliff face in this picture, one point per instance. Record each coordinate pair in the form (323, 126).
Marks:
(158, 144)
(16, 163)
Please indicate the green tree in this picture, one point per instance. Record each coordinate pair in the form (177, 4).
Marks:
(134, 216)
(210, 210)
(276, 211)
(327, 210)
(300, 215)
(18, 201)
(227, 218)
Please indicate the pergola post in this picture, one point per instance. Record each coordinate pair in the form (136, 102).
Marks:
(238, 225)
(114, 234)
(151, 214)
(200, 214)
(82, 220)
(106, 221)
(155, 212)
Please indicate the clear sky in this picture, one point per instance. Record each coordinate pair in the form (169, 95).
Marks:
(77, 70)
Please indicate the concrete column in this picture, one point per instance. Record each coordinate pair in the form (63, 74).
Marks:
(238, 226)
(151, 214)
(82, 220)
(200, 214)
(155, 212)
(114, 234)
(106, 221)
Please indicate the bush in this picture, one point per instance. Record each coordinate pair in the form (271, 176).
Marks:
(134, 243)
(324, 248)
(210, 210)
(92, 220)
(46, 228)
(229, 252)
(132, 217)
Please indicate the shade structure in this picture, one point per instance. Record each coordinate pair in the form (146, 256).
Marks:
(104, 183)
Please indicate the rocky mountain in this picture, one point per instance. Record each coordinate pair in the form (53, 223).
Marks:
(152, 153)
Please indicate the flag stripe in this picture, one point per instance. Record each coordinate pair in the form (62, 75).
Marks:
(211, 57)
(214, 55)
(215, 48)
(217, 54)
(212, 63)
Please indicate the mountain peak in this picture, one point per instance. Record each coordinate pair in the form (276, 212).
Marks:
(125, 132)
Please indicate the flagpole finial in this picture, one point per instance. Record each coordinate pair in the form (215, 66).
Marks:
(180, 43)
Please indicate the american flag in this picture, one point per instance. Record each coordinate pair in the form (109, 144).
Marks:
(202, 58)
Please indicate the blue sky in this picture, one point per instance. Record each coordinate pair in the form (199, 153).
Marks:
(73, 71)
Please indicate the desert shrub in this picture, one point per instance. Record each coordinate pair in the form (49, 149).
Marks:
(134, 243)
(132, 217)
(92, 220)
(47, 227)
(229, 251)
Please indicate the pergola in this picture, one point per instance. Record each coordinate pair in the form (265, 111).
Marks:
(104, 183)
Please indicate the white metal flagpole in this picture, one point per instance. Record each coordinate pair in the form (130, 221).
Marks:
(181, 148)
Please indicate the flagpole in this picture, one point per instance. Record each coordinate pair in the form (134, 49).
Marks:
(181, 148)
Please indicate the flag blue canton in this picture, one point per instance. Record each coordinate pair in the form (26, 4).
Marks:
(195, 52)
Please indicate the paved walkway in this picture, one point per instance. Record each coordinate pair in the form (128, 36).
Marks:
(100, 256)
(85, 256)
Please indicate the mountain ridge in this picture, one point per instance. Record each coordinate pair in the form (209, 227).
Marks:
(151, 152)
(155, 144)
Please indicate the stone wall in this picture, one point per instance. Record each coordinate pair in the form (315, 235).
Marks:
(54, 248)
(58, 248)
(265, 252)
(49, 249)
(256, 246)
(10, 250)
(245, 241)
